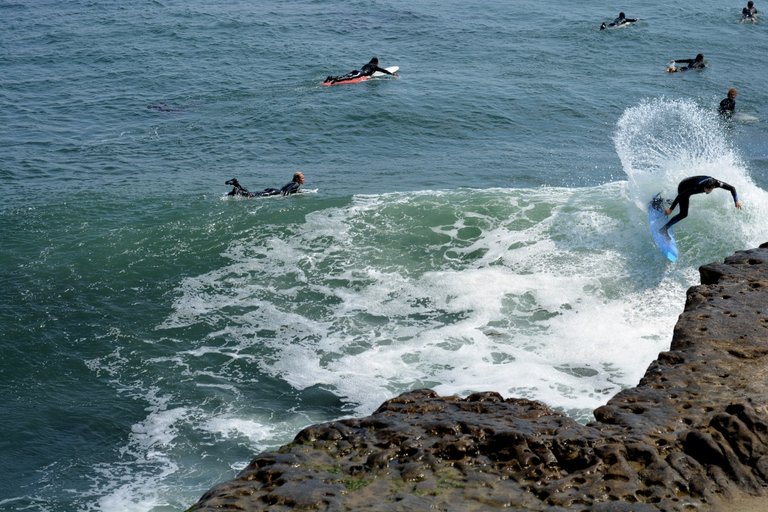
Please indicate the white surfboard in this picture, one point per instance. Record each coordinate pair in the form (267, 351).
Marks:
(744, 118)
(391, 69)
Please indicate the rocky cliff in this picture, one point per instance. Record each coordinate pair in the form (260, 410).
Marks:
(692, 435)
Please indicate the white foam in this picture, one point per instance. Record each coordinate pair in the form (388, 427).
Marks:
(255, 431)
(511, 296)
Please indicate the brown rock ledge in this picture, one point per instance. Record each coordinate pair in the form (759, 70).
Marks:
(692, 435)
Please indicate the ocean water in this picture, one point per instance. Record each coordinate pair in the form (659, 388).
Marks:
(475, 224)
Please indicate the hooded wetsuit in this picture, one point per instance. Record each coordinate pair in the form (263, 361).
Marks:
(691, 186)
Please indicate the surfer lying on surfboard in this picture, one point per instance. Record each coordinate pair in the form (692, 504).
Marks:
(288, 189)
(621, 20)
(696, 63)
(689, 187)
(355, 75)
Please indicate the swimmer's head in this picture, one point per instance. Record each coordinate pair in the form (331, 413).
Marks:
(732, 92)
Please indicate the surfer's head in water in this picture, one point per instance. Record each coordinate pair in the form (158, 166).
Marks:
(298, 177)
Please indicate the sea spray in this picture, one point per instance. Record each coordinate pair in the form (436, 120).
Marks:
(662, 141)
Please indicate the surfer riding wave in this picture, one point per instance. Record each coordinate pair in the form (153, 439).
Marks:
(689, 187)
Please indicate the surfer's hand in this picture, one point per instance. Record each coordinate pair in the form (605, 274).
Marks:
(667, 211)
(738, 205)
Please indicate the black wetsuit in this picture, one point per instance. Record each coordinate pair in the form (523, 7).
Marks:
(618, 22)
(371, 68)
(748, 13)
(692, 64)
(727, 107)
(367, 70)
(288, 189)
(689, 187)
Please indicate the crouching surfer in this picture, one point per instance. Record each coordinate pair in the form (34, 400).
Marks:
(288, 189)
(689, 187)
(366, 71)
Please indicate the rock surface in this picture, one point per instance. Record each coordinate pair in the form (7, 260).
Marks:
(692, 435)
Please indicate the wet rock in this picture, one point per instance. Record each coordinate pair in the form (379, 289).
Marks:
(690, 436)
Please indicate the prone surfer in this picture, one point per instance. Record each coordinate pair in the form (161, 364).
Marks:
(367, 70)
(689, 187)
(288, 189)
(695, 63)
(728, 105)
(619, 21)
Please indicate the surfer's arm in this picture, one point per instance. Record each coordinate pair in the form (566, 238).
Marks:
(732, 190)
(668, 211)
(683, 61)
(382, 70)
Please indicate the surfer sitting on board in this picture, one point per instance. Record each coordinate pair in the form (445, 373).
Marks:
(748, 13)
(696, 63)
(621, 20)
(288, 189)
(367, 70)
(689, 187)
(728, 105)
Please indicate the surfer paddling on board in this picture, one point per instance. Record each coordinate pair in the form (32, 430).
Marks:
(288, 189)
(689, 187)
(695, 63)
(367, 70)
(728, 105)
(619, 21)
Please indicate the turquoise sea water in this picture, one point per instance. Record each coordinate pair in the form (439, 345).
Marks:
(476, 224)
